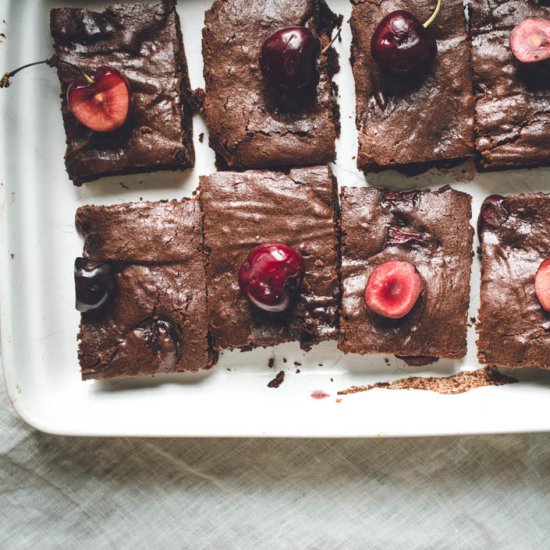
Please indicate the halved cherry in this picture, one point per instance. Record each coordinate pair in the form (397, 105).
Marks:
(392, 289)
(100, 102)
(530, 40)
(542, 284)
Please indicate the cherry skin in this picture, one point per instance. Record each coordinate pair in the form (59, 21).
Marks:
(401, 44)
(103, 103)
(270, 275)
(492, 213)
(288, 58)
(530, 40)
(94, 283)
(542, 284)
(393, 289)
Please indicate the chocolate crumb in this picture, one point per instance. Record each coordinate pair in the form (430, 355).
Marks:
(123, 185)
(386, 360)
(12, 255)
(228, 369)
(284, 359)
(297, 364)
(332, 379)
(320, 364)
(277, 381)
(473, 320)
(271, 362)
(196, 101)
(298, 371)
(448, 385)
(201, 137)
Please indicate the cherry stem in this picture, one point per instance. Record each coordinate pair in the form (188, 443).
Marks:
(434, 14)
(326, 48)
(51, 62)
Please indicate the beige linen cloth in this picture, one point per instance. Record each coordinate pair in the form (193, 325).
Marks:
(451, 492)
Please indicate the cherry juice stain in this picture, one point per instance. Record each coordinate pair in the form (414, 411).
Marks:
(319, 394)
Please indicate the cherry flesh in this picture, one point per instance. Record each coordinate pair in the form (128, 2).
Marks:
(530, 40)
(94, 283)
(492, 213)
(401, 44)
(270, 275)
(288, 58)
(542, 284)
(392, 289)
(101, 103)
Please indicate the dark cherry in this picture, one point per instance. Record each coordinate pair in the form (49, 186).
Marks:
(401, 44)
(492, 213)
(94, 283)
(530, 40)
(270, 275)
(288, 58)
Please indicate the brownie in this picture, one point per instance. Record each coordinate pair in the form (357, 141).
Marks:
(512, 104)
(422, 119)
(513, 328)
(143, 42)
(246, 209)
(155, 320)
(431, 230)
(251, 124)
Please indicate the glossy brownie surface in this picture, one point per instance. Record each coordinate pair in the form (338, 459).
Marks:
(243, 210)
(429, 229)
(426, 117)
(512, 103)
(156, 319)
(251, 124)
(513, 328)
(144, 43)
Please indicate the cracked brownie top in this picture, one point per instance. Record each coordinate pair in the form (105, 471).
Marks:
(512, 103)
(252, 124)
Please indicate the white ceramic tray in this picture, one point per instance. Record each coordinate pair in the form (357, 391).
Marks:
(39, 322)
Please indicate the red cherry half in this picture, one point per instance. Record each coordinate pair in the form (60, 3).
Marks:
(392, 289)
(270, 274)
(103, 103)
(401, 44)
(288, 58)
(542, 284)
(530, 40)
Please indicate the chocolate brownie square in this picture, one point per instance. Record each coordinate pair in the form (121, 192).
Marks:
(251, 124)
(431, 230)
(144, 43)
(423, 118)
(155, 319)
(512, 104)
(513, 328)
(245, 209)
